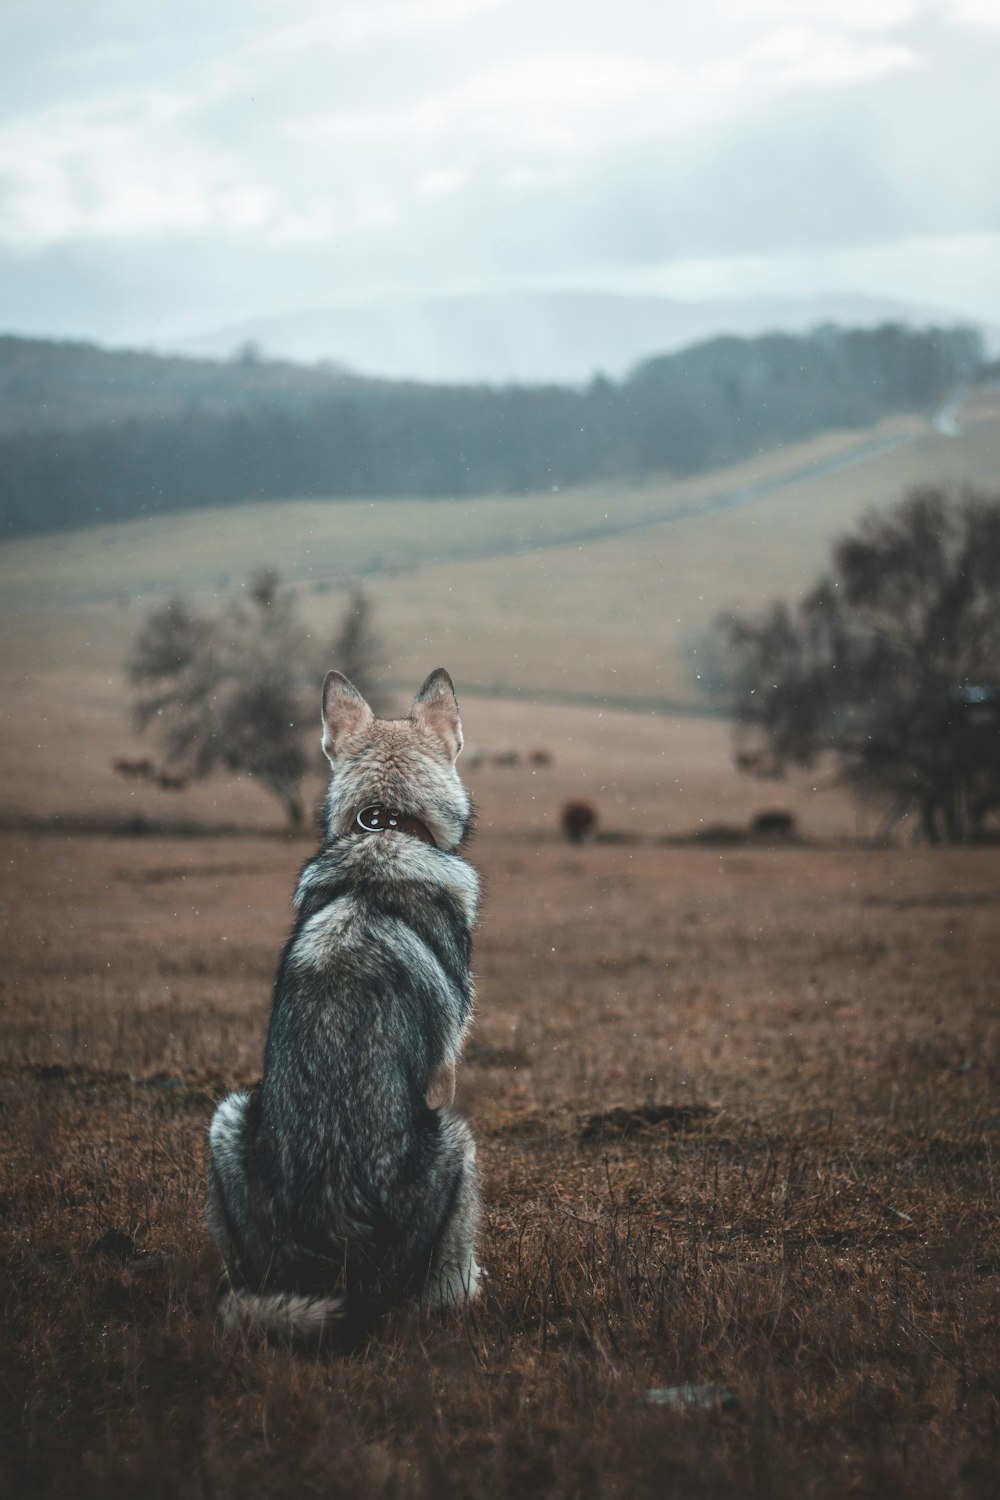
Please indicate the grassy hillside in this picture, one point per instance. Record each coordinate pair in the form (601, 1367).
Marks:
(598, 591)
(171, 439)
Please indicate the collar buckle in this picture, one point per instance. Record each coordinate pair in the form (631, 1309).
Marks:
(379, 819)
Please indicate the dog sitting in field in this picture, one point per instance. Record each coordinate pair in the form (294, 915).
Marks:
(346, 1183)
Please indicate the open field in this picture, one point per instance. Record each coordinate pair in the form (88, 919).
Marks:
(812, 1228)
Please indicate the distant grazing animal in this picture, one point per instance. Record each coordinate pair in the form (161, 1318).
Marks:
(347, 1183)
(774, 824)
(169, 783)
(138, 770)
(579, 822)
(540, 758)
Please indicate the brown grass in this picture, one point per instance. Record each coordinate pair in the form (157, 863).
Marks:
(737, 1106)
(822, 1241)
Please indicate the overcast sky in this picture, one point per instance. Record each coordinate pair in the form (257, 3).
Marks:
(168, 167)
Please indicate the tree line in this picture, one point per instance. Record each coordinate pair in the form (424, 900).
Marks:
(711, 404)
(52, 385)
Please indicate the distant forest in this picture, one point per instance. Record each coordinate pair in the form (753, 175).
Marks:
(90, 435)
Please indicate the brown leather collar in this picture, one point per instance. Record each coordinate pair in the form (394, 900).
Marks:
(379, 819)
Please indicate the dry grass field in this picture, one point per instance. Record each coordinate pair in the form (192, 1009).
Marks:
(738, 1104)
(805, 1219)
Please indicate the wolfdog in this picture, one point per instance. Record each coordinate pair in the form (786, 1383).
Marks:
(346, 1183)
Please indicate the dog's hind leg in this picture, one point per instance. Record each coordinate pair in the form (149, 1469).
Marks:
(227, 1209)
(455, 1274)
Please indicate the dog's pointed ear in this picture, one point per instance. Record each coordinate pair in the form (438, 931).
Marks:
(344, 712)
(436, 708)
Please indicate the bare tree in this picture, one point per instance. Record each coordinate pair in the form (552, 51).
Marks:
(238, 691)
(890, 667)
(356, 649)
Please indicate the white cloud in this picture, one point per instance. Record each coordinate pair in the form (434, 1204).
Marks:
(802, 54)
(127, 166)
(859, 15)
(550, 102)
(406, 141)
(395, 18)
(976, 12)
(441, 181)
(246, 138)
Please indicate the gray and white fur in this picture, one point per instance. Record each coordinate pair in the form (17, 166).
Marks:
(346, 1183)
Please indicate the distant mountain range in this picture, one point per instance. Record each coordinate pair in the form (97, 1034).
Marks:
(534, 336)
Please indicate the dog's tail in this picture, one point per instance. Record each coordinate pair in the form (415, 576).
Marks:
(337, 1321)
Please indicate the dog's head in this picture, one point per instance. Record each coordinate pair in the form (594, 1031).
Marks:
(407, 764)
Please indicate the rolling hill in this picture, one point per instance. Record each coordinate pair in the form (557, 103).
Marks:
(96, 437)
(597, 593)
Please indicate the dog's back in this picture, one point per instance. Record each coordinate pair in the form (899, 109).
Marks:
(346, 1182)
